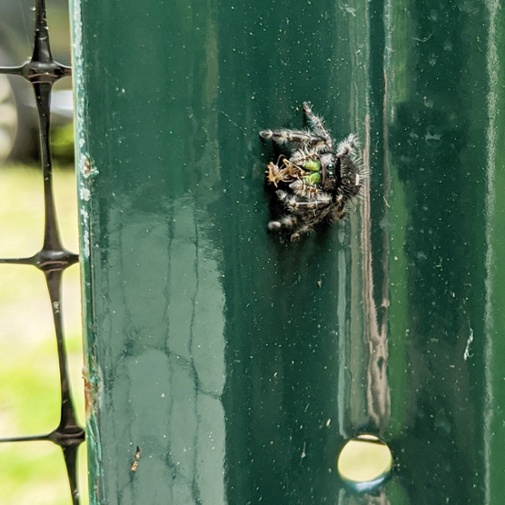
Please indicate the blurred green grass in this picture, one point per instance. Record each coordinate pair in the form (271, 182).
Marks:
(34, 472)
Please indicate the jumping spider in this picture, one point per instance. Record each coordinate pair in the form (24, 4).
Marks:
(315, 180)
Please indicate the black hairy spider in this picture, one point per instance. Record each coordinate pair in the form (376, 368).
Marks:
(315, 180)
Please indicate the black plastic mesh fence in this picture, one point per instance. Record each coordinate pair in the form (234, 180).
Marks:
(42, 71)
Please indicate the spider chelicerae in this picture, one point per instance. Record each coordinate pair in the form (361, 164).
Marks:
(315, 179)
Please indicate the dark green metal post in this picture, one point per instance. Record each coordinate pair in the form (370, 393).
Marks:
(228, 367)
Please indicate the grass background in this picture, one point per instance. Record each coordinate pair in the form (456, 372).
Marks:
(34, 472)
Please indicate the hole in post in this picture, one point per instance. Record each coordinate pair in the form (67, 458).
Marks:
(364, 462)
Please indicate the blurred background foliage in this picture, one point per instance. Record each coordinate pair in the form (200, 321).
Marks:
(34, 472)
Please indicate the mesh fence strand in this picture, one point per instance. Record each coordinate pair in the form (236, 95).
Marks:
(42, 71)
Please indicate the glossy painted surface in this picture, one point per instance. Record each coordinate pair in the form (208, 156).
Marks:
(239, 364)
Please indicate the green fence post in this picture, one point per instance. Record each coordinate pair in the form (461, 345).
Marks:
(227, 366)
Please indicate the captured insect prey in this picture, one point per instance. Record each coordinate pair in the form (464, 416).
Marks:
(314, 180)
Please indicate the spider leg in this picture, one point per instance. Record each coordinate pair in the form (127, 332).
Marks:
(287, 221)
(347, 146)
(295, 203)
(336, 213)
(298, 233)
(317, 126)
(300, 137)
(305, 154)
(312, 194)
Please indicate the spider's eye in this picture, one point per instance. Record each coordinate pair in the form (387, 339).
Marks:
(330, 167)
